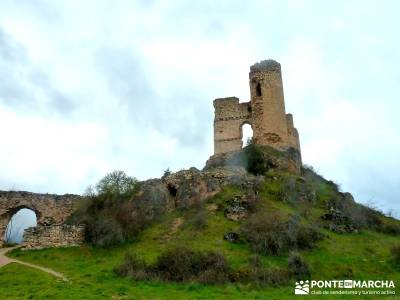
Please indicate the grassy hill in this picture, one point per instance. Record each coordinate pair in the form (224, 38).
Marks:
(256, 224)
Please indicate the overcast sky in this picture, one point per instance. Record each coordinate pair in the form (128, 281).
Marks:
(87, 87)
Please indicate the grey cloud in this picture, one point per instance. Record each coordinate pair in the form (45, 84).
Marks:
(20, 80)
(59, 101)
(9, 49)
(124, 74)
(171, 114)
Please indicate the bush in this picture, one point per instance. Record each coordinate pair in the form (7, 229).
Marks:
(215, 268)
(179, 265)
(108, 211)
(301, 236)
(268, 233)
(265, 233)
(395, 251)
(298, 267)
(117, 183)
(255, 161)
(104, 232)
(182, 264)
(272, 276)
(343, 210)
(390, 229)
(325, 190)
(133, 267)
(199, 220)
(256, 273)
(167, 173)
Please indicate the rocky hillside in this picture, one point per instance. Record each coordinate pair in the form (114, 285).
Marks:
(247, 226)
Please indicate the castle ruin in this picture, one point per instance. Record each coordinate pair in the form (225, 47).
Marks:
(265, 112)
(51, 212)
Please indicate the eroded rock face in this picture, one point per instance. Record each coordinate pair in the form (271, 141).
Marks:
(153, 199)
(344, 215)
(186, 188)
(239, 207)
(192, 186)
(288, 160)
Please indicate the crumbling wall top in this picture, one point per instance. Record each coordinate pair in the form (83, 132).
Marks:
(225, 101)
(266, 65)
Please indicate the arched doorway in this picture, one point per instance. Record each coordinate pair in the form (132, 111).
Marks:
(22, 219)
(246, 134)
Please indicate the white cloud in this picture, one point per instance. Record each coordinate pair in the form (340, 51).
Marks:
(103, 85)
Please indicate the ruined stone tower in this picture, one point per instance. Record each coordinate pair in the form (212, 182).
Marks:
(265, 113)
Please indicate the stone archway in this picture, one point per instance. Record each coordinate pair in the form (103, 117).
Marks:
(50, 210)
(20, 219)
(244, 127)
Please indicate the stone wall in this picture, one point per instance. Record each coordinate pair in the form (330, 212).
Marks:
(49, 209)
(265, 113)
(53, 236)
(230, 115)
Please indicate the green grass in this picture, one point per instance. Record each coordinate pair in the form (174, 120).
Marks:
(90, 270)
(362, 255)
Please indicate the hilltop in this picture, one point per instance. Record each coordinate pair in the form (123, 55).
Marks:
(247, 226)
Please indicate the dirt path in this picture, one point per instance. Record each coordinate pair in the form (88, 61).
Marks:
(176, 223)
(4, 260)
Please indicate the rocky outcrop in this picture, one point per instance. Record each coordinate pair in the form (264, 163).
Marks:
(192, 186)
(186, 188)
(288, 160)
(189, 187)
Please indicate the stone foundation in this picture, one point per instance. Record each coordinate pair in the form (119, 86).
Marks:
(288, 160)
(53, 236)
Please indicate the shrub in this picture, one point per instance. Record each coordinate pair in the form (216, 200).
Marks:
(255, 261)
(199, 220)
(241, 275)
(182, 264)
(104, 232)
(325, 190)
(271, 276)
(301, 236)
(108, 211)
(214, 268)
(343, 210)
(395, 251)
(117, 183)
(268, 233)
(179, 265)
(133, 267)
(256, 162)
(167, 173)
(390, 229)
(265, 233)
(298, 267)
